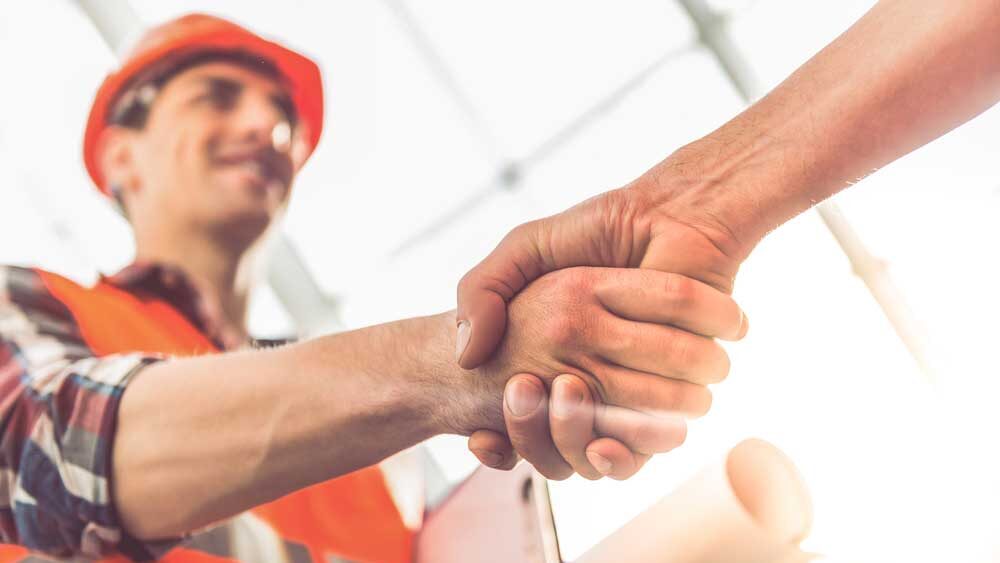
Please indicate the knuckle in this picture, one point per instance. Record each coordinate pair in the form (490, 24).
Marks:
(523, 231)
(568, 324)
(620, 339)
(681, 352)
(690, 400)
(515, 236)
(466, 281)
(626, 390)
(679, 290)
(562, 332)
(674, 402)
(575, 281)
(639, 434)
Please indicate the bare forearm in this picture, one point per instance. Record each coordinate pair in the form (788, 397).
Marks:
(906, 73)
(205, 438)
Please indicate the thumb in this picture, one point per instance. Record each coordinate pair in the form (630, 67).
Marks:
(484, 292)
(680, 249)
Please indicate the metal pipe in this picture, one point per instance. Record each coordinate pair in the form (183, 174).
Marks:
(115, 20)
(509, 176)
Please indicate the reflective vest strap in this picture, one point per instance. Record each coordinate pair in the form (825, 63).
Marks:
(114, 321)
(183, 555)
(352, 517)
(12, 553)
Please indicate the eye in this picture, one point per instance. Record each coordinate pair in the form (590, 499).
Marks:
(287, 108)
(223, 95)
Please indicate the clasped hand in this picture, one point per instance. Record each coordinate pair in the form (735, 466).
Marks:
(627, 355)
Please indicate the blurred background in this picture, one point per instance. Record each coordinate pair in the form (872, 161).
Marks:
(449, 123)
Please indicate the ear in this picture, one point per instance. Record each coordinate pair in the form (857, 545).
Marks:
(299, 150)
(116, 157)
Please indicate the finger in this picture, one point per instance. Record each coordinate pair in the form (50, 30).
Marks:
(667, 298)
(526, 414)
(571, 422)
(614, 459)
(484, 291)
(663, 350)
(493, 449)
(640, 432)
(653, 394)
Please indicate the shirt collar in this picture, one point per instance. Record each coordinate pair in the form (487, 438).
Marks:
(171, 284)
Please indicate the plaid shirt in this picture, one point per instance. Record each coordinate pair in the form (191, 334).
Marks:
(58, 404)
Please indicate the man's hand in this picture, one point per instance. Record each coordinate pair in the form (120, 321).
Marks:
(592, 439)
(626, 228)
(659, 222)
(633, 338)
(930, 65)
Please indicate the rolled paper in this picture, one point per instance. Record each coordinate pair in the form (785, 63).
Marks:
(753, 507)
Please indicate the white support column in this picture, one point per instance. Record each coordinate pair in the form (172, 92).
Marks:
(714, 34)
(115, 20)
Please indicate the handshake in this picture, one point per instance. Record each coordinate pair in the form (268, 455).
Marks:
(599, 326)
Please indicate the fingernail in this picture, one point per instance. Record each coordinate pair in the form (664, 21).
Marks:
(744, 325)
(491, 459)
(566, 398)
(600, 463)
(462, 339)
(523, 398)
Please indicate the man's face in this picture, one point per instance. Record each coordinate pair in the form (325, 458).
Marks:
(214, 153)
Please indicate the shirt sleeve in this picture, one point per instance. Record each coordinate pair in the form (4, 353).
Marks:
(58, 409)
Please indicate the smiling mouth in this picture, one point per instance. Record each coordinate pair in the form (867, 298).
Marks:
(254, 166)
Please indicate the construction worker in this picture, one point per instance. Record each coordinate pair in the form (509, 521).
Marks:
(906, 73)
(140, 421)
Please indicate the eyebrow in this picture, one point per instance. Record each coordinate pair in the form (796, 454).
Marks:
(281, 99)
(218, 81)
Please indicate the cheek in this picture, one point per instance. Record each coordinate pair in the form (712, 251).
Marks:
(183, 173)
(187, 156)
(188, 152)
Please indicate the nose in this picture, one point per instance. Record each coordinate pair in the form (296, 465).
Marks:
(259, 121)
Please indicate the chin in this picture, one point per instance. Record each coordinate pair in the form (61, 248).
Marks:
(246, 227)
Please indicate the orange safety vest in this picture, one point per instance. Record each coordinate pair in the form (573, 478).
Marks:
(352, 517)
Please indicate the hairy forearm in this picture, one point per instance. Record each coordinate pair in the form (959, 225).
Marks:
(906, 73)
(205, 438)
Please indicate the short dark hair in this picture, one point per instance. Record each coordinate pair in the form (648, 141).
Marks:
(131, 107)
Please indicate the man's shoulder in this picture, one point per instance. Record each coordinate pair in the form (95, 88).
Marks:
(27, 288)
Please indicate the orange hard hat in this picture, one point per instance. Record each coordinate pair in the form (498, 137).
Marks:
(189, 35)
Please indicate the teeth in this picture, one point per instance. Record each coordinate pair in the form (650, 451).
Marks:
(252, 167)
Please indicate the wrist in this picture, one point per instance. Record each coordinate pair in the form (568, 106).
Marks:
(735, 185)
(388, 375)
(459, 401)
